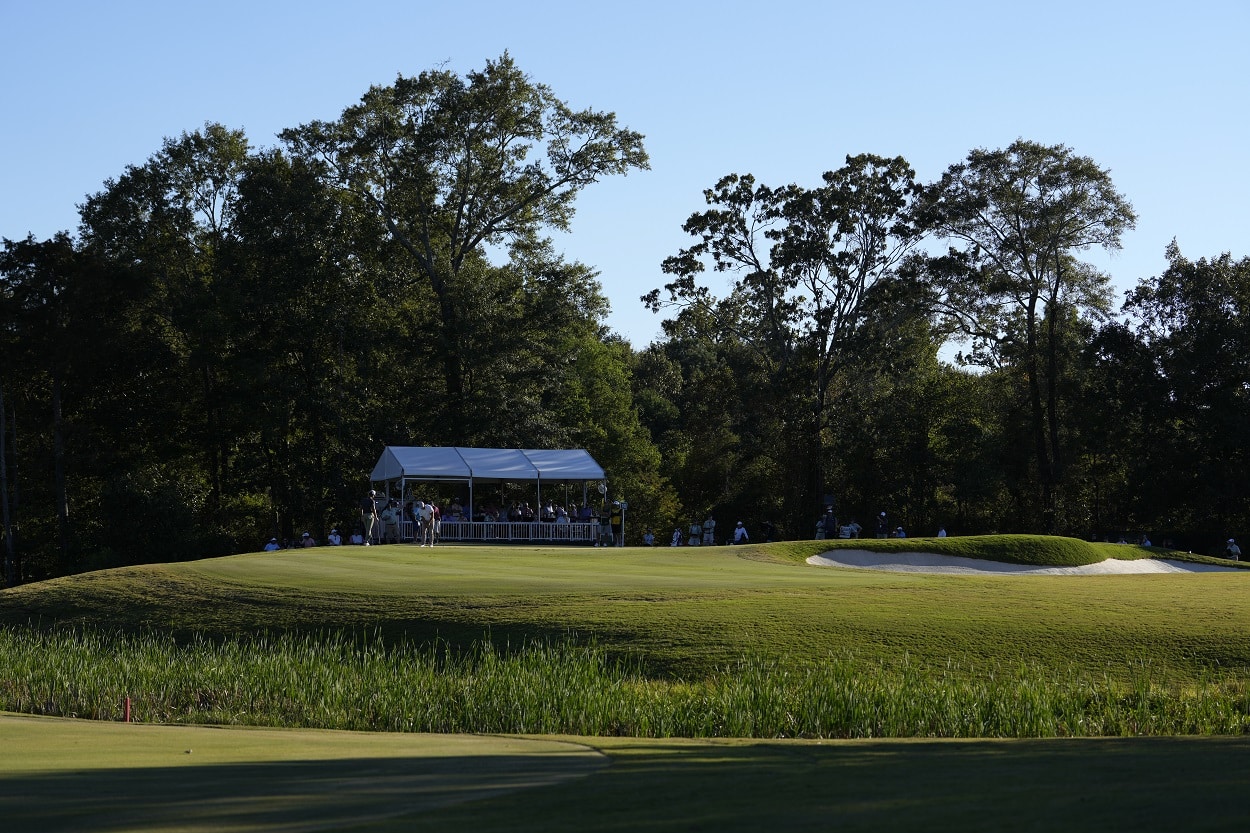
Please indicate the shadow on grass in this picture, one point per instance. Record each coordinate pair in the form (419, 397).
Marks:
(274, 796)
(1072, 785)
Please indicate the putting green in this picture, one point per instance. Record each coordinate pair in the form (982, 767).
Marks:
(74, 775)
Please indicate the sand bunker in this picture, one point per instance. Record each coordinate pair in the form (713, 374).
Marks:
(925, 562)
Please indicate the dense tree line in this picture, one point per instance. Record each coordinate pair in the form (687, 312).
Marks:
(233, 334)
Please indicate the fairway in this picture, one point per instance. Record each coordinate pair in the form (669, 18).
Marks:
(71, 775)
(64, 775)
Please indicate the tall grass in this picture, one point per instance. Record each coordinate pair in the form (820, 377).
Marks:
(331, 681)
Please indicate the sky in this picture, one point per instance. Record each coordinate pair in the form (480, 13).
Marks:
(1158, 93)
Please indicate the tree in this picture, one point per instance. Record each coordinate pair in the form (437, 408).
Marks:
(815, 271)
(168, 220)
(1017, 216)
(457, 167)
(38, 286)
(1194, 325)
(315, 331)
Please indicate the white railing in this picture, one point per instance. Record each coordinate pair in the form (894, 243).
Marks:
(577, 533)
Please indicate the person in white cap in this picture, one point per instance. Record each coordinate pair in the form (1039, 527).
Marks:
(1232, 550)
(369, 515)
(740, 534)
(334, 539)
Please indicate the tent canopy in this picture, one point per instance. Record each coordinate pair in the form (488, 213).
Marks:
(485, 465)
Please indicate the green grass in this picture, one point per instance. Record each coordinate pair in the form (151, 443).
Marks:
(66, 775)
(683, 612)
(727, 640)
(1036, 550)
(329, 682)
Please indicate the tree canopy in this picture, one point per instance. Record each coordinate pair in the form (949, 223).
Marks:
(233, 333)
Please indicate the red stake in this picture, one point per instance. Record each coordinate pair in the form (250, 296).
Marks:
(127, 709)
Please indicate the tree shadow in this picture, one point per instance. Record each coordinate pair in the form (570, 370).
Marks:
(290, 796)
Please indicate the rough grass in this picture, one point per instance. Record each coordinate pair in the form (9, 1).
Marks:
(322, 681)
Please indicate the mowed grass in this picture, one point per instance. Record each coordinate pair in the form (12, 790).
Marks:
(68, 775)
(683, 612)
(746, 629)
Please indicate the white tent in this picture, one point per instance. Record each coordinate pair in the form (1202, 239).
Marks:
(485, 465)
(404, 464)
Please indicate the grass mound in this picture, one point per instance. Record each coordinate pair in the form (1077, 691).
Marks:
(1031, 550)
(685, 614)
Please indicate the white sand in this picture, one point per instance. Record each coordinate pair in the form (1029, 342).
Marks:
(925, 562)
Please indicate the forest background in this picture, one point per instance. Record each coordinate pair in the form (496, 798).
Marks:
(223, 347)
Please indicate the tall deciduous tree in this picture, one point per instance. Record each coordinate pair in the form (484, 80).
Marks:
(169, 220)
(1017, 216)
(454, 167)
(814, 272)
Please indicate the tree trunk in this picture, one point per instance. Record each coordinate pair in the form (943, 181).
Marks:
(453, 362)
(58, 457)
(10, 559)
(1045, 473)
(1052, 395)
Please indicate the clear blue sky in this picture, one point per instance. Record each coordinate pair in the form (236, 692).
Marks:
(1155, 91)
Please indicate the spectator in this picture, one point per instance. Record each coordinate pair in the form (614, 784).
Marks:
(307, 540)
(390, 522)
(272, 546)
(882, 526)
(605, 530)
(941, 532)
(696, 534)
(1232, 551)
(899, 533)
(827, 526)
(676, 540)
(356, 538)
(617, 520)
(334, 539)
(709, 530)
(648, 537)
(740, 534)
